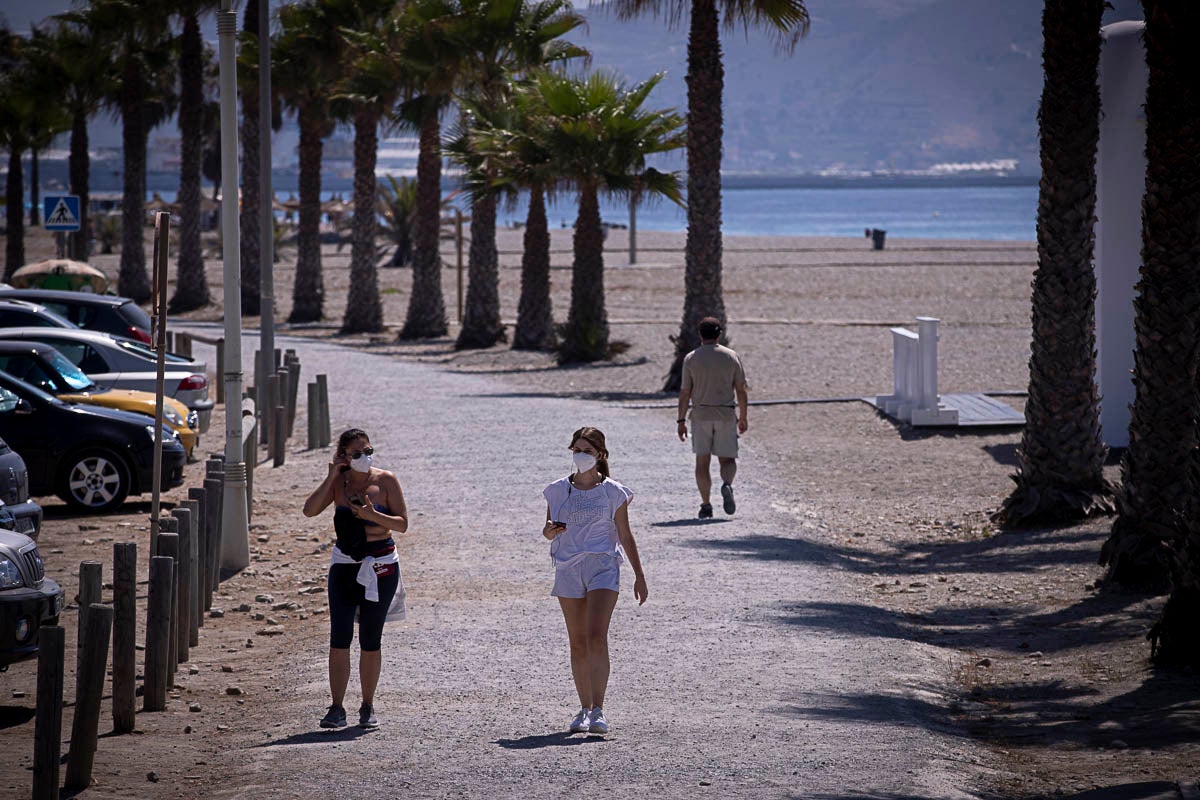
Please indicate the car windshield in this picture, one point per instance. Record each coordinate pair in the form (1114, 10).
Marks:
(71, 374)
(145, 352)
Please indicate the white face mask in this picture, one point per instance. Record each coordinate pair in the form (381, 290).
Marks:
(361, 464)
(583, 461)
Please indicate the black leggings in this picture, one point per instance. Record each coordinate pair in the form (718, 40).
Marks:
(346, 595)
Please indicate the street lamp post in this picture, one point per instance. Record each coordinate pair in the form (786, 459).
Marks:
(235, 532)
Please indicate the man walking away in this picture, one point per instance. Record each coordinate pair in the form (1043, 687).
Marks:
(712, 378)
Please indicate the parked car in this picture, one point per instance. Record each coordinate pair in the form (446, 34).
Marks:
(91, 457)
(107, 313)
(17, 512)
(28, 599)
(44, 367)
(24, 314)
(116, 363)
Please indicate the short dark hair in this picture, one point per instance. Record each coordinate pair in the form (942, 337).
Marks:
(710, 328)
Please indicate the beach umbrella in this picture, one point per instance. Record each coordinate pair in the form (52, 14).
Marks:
(60, 273)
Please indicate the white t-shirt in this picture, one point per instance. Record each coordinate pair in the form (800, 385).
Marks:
(589, 515)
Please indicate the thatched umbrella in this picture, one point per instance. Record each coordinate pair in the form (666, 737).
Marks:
(60, 273)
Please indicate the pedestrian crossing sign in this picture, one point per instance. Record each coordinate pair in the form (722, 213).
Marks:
(60, 212)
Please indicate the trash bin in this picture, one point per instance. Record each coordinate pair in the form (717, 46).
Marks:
(877, 237)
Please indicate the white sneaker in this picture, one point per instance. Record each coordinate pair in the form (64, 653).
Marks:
(598, 724)
(581, 723)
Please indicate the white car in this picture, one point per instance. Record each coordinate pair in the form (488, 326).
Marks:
(117, 363)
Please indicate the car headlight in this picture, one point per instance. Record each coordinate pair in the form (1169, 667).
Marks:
(172, 416)
(10, 576)
(193, 420)
(168, 434)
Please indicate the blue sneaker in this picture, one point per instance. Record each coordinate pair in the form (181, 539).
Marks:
(334, 718)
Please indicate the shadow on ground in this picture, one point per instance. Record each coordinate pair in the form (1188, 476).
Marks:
(559, 739)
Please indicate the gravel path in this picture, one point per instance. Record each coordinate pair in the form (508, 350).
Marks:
(752, 671)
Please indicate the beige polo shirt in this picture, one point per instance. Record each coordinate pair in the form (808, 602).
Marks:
(711, 372)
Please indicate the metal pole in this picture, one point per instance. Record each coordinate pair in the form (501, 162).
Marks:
(266, 266)
(235, 543)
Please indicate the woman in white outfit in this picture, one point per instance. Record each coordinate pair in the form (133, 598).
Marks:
(587, 523)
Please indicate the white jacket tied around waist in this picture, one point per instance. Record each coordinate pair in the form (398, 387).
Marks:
(370, 581)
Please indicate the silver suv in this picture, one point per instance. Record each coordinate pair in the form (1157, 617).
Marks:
(28, 599)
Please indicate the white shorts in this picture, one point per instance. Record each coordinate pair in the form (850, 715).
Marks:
(717, 437)
(585, 574)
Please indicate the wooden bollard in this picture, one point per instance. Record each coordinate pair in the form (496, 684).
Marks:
(268, 412)
(183, 341)
(171, 342)
(85, 726)
(221, 370)
(91, 575)
(326, 423)
(280, 448)
(124, 648)
(262, 404)
(200, 496)
(158, 632)
(281, 399)
(189, 558)
(47, 727)
(212, 491)
(193, 509)
(168, 545)
(314, 415)
(293, 392)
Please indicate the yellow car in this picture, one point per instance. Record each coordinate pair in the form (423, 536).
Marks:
(49, 370)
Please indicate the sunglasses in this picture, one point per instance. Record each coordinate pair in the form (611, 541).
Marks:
(366, 451)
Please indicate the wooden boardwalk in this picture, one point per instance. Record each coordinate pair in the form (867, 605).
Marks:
(975, 410)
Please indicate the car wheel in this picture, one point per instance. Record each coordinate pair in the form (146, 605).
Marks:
(95, 480)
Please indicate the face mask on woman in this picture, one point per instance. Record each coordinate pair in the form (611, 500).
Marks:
(583, 461)
(361, 464)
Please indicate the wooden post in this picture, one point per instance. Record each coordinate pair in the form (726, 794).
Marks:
(280, 440)
(221, 370)
(47, 728)
(272, 400)
(212, 491)
(314, 415)
(293, 392)
(158, 632)
(168, 545)
(85, 725)
(326, 425)
(281, 399)
(190, 557)
(200, 496)
(249, 456)
(124, 649)
(90, 577)
(198, 557)
(158, 336)
(262, 401)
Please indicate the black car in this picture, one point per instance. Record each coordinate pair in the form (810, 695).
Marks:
(16, 313)
(28, 599)
(91, 457)
(118, 316)
(17, 512)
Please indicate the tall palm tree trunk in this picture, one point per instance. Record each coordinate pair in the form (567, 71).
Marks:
(78, 167)
(1060, 468)
(34, 189)
(308, 293)
(1162, 430)
(702, 273)
(132, 280)
(585, 337)
(535, 318)
(248, 217)
(14, 206)
(426, 317)
(481, 325)
(364, 310)
(191, 287)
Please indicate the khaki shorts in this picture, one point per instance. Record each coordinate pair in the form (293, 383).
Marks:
(715, 437)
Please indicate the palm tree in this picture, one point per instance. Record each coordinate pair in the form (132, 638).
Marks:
(600, 139)
(302, 71)
(191, 287)
(397, 204)
(786, 21)
(80, 63)
(1060, 468)
(374, 82)
(248, 211)
(137, 33)
(501, 41)
(1162, 428)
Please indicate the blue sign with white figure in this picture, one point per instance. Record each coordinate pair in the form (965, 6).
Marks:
(60, 212)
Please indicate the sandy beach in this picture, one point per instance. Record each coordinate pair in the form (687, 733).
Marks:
(1043, 678)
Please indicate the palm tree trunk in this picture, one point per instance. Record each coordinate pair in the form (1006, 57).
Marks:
(34, 189)
(535, 319)
(364, 310)
(1162, 431)
(308, 293)
(1060, 468)
(14, 206)
(132, 280)
(585, 337)
(481, 325)
(426, 317)
(702, 273)
(78, 167)
(191, 287)
(248, 218)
